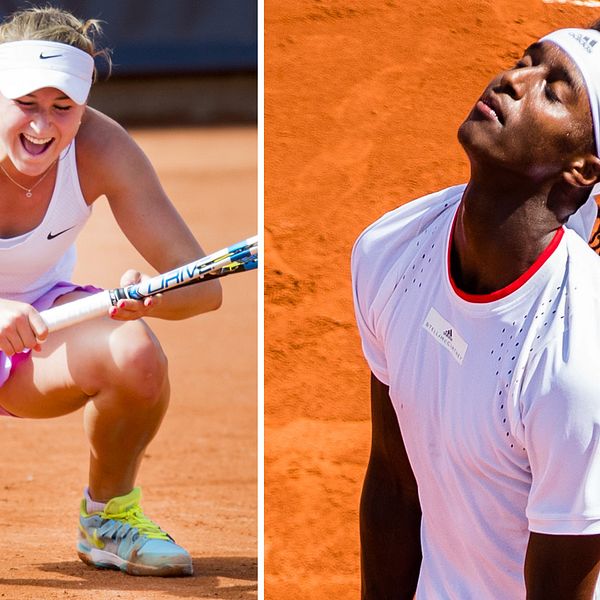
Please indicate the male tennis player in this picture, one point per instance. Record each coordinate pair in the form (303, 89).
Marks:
(479, 312)
(57, 157)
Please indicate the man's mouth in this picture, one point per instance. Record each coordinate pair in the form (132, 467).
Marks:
(34, 145)
(490, 109)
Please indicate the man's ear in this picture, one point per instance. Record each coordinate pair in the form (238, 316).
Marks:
(584, 172)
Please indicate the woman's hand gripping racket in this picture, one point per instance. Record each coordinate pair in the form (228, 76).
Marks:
(242, 256)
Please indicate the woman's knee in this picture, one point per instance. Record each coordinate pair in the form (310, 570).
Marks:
(140, 367)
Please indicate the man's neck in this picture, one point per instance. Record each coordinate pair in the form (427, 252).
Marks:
(501, 228)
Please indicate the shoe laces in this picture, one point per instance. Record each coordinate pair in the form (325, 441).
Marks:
(134, 518)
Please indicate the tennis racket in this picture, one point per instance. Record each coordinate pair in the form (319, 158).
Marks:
(237, 258)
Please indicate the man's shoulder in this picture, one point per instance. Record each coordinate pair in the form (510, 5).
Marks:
(569, 338)
(583, 268)
(400, 225)
(387, 247)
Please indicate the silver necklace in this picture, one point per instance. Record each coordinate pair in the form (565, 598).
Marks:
(28, 191)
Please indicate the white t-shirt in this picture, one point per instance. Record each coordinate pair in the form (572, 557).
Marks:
(497, 396)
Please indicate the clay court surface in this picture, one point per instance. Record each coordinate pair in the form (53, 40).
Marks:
(199, 476)
(363, 99)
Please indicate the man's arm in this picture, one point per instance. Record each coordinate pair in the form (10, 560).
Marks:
(562, 567)
(390, 514)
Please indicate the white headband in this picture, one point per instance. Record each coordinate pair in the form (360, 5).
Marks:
(30, 65)
(583, 46)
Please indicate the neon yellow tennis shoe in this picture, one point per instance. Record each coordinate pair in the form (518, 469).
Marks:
(122, 537)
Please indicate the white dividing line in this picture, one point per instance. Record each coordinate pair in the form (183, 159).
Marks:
(588, 3)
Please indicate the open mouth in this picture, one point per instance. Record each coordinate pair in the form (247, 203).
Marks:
(35, 146)
(490, 110)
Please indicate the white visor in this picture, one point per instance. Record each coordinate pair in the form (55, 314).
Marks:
(30, 65)
(583, 47)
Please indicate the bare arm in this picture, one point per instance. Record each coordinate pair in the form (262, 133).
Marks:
(112, 164)
(562, 567)
(390, 514)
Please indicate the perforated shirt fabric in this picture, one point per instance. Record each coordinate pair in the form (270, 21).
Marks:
(496, 396)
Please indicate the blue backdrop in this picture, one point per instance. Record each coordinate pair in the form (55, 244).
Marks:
(157, 37)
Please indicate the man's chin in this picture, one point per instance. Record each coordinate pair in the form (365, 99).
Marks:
(477, 141)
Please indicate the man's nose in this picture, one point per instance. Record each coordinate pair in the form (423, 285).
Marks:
(516, 81)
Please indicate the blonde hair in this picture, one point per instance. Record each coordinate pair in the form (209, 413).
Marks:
(54, 24)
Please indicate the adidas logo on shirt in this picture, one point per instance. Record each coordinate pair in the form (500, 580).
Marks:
(445, 334)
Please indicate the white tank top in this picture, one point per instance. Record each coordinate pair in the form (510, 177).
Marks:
(30, 264)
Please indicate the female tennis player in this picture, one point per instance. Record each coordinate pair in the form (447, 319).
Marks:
(57, 157)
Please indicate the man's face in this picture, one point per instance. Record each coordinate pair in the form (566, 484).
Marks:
(532, 119)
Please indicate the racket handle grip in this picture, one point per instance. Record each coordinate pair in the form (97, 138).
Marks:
(77, 311)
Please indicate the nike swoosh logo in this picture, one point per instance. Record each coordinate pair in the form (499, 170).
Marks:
(51, 236)
(92, 539)
(44, 57)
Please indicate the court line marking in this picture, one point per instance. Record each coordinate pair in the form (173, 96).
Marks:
(587, 3)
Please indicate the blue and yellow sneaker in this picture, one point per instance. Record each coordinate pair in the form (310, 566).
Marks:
(122, 537)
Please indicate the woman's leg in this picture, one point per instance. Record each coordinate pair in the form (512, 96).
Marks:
(121, 419)
(119, 372)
